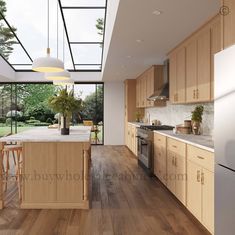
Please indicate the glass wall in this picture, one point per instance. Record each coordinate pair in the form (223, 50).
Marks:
(24, 106)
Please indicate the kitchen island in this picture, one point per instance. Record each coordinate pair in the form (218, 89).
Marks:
(55, 168)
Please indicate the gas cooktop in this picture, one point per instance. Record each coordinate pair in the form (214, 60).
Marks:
(157, 128)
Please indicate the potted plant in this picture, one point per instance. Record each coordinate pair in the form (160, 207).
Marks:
(197, 119)
(65, 103)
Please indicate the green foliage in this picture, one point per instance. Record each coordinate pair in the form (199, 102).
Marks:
(197, 113)
(100, 26)
(93, 106)
(8, 121)
(65, 103)
(7, 39)
(2, 119)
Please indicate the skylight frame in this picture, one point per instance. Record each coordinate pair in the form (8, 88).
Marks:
(61, 8)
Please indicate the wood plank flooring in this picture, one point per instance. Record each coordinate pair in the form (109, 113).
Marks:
(124, 201)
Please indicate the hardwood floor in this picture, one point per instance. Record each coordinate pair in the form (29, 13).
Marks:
(124, 201)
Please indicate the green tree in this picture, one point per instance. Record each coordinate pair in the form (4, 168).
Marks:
(7, 39)
(33, 98)
(100, 26)
(93, 106)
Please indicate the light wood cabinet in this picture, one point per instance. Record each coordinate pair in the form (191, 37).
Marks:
(191, 65)
(200, 185)
(176, 168)
(131, 140)
(147, 84)
(177, 76)
(228, 24)
(203, 66)
(160, 159)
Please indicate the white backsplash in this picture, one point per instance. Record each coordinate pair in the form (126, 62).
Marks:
(176, 114)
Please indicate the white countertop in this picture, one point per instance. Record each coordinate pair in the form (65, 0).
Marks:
(138, 124)
(201, 141)
(43, 134)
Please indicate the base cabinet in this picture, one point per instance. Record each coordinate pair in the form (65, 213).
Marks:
(200, 185)
(176, 168)
(160, 159)
(131, 140)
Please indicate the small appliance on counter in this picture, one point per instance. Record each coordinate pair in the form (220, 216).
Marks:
(156, 122)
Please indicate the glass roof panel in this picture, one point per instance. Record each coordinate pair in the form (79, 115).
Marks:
(18, 56)
(83, 3)
(81, 24)
(30, 20)
(88, 67)
(87, 53)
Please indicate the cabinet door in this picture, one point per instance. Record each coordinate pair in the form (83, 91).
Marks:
(138, 95)
(171, 171)
(129, 136)
(191, 71)
(215, 48)
(208, 199)
(194, 189)
(181, 75)
(150, 85)
(173, 78)
(228, 24)
(163, 164)
(143, 91)
(180, 189)
(204, 66)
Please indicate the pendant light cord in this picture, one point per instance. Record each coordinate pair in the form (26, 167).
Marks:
(48, 27)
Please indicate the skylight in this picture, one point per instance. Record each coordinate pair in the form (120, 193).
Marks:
(83, 41)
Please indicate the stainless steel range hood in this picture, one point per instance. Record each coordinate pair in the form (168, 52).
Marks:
(163, 92)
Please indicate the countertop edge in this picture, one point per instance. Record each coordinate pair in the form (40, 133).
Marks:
(187, 141)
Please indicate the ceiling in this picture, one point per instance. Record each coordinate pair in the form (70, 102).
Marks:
(79, 45)
(141, 38)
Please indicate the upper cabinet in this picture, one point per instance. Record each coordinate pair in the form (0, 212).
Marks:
(228, 23)
(177, 76)
(146, 84)
(191, 65)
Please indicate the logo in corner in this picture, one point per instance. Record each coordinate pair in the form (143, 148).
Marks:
(224, 10)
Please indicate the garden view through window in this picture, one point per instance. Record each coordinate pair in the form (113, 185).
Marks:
(25, 105)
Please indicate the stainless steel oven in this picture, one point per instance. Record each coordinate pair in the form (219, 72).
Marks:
(145, 149)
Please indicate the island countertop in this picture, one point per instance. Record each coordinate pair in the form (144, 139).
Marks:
(44, 134)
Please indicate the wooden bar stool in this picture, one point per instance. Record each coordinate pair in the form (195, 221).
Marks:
(8, 151)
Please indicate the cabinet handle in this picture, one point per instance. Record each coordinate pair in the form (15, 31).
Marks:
(174, 146)
(202, 158)
(175, 162)
(198, 176)
(197, 94)
(202, 179)
(177, 97)
(194, 94)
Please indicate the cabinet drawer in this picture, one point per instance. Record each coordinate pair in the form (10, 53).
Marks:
(176, 146)
(159, 140)
(201, 157)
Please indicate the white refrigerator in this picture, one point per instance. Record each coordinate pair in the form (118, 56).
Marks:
(224, 136)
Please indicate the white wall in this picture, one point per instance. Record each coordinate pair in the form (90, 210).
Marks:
(114, 113)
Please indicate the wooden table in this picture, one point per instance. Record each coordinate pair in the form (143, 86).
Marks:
(55, 172)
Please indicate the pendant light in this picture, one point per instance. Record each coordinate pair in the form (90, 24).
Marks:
(64, 75)
(48, 64)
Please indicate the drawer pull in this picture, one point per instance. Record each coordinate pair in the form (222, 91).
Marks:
(198, 176)
(173, 161)
(159, 139)
(202, 179)
(174, 146)
(202, 158)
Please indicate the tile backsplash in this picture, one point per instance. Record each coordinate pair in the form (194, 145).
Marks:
(176, 114)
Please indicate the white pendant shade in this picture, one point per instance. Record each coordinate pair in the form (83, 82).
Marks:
(64, 82)
(60, 76)
(47, 65)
